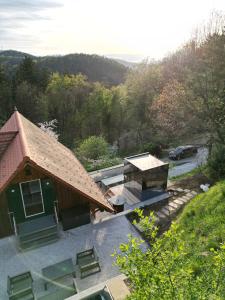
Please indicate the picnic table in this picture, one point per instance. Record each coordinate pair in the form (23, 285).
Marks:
(57, 271)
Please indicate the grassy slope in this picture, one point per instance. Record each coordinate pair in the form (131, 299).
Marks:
(191, 173)
(203, 223)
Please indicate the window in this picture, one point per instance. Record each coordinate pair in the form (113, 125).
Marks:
(32, 198)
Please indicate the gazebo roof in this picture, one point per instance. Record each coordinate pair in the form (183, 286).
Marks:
(23, 142)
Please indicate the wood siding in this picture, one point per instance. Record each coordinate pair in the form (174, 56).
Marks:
(5, 224)
(67, 198)
(14, 197)
(23, 176)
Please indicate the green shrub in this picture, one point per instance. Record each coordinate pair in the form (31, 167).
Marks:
(152, 148)
(216, 163)
(93, 147)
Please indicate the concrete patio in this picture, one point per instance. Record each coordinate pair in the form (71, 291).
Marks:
(105, 237)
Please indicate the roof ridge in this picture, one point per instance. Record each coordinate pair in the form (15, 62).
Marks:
(23, 140)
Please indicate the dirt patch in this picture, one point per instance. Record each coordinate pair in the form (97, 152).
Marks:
(192, 182)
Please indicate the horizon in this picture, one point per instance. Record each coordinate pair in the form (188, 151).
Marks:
(131, 31)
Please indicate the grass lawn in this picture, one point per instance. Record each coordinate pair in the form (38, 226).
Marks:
(193, 172)
(203, 224)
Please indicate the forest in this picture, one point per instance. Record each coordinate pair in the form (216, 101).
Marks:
(158, 104)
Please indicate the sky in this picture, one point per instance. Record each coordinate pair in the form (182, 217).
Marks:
(126, 29)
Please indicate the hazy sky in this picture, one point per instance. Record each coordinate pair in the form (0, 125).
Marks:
(130, 29)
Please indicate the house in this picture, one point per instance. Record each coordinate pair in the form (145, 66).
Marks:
(41, 181)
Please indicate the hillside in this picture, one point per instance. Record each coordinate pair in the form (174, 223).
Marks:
(203, 223)
(185, 262)
(96, 68)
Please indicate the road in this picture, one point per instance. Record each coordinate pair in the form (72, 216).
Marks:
(188, 164)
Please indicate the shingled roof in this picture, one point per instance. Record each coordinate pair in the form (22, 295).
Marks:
(29, 144)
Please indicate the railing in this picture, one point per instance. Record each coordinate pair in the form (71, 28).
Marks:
(13, 222)
(55, 211)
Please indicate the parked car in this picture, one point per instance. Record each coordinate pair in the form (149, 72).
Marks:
(182, 152)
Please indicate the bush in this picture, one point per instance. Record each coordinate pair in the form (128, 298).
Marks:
(93, 147)
(216, 163)
(103, 162)
(152, 148)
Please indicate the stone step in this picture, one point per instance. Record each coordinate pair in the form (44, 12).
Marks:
(190, 195)
(36, 243)
(161, 215)
(165, 211)
(38, 234)
(174, 205)
(185, 199)
(179, 202)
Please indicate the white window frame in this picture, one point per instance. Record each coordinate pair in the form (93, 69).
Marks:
(24, 208)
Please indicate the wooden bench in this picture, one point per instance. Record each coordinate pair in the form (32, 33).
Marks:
(88, 262)
(53, 273)
(20, 287)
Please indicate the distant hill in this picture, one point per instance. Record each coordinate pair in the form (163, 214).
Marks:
(95, 67)
(126, 63)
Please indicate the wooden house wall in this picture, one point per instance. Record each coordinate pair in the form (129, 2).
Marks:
(51, 191)
(5, 224)
(14, 197)
(67, 198)
(23, 176)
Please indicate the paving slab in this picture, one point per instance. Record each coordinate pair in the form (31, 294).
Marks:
(105, 237)
(165, 211)
(179, 201)
(174, 205)
(118, 288)
(170, 208)
(190, 195)
(185, 199)
(161, 215)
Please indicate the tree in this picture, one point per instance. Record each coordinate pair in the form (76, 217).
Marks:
(172, 113)
(29, 71)
(66, 96)
(216, 162)
(6, 105)
(50, 128)
(31, 102)
(143, 84)
(162, 271)
(93, 147)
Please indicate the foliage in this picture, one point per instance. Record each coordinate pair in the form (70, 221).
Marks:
(172, 116)
(93, 147)
(216, 163)
(187, 261)
(30, 101)
(96, 68)
(159, 102)
(152, 148)
(103, 162)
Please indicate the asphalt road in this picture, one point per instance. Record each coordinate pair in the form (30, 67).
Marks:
(188, 164)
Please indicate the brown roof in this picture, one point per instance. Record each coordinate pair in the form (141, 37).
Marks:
(33, 145)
